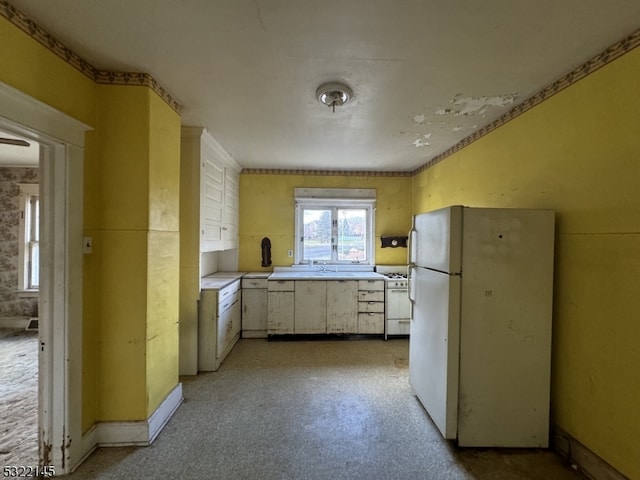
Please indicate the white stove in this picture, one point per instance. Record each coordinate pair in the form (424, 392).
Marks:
(397, 305)
(395, 280)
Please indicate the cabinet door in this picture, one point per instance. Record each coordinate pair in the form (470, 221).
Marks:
(310, 307)
(280, 312)
(342, 306)
(236, 320)
(212, 200)
(254, 312)
(207, 330)
(230, 211)
(371, 323)
(225, 331)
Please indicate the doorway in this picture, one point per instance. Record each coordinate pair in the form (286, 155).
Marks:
(19, 279)
(61, 140)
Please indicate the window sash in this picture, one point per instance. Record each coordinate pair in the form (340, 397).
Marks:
(29, 247)
(335, 234)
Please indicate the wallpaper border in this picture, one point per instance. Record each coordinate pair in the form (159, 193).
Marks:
(47, 40)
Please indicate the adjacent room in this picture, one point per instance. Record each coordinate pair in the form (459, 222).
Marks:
(19, 280)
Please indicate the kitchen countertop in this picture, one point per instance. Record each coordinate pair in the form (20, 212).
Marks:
(219, 280)
(328, 275)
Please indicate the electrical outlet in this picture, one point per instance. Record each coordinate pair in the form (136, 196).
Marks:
(290, 253)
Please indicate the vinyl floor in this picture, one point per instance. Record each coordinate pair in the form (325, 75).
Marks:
(330, 409)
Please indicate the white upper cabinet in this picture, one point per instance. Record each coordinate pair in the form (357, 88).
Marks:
(216, 178)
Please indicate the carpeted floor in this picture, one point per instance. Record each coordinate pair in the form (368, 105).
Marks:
(311, 410)
(18, 397)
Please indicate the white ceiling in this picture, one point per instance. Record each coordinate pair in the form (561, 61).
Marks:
(425, 74)
(18, 155)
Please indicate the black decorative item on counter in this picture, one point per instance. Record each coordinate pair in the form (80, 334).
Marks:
(266, 252)
(394, 242)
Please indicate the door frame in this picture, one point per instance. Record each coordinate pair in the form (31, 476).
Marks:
(60, 305)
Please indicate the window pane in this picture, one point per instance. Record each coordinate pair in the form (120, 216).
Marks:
(34, 264)
(34, 217)
(352, 235)
(316, 244)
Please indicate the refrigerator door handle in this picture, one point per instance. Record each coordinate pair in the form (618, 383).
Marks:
(410, 294)
(410, 253)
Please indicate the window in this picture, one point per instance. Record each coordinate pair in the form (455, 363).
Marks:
(335, 226)
(29, 250)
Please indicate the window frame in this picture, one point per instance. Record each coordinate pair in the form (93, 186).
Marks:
(29, 226)
(334, 199)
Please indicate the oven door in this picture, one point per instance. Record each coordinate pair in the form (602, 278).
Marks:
(397, 303)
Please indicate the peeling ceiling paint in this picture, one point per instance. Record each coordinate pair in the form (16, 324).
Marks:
(463, 109)
(476, 105)
(422, 142)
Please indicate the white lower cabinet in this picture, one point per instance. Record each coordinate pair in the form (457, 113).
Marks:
(254, 305)
(342, 306)
(218, 325)
(371, 306)
(318, 307)
(280, 311)
(310, 310)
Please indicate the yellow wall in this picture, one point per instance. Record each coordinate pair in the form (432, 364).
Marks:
(138, 250)
(189, 249)
(131, 195)
(267, 210)
(576, 153)
(34, 70)
(163, 270)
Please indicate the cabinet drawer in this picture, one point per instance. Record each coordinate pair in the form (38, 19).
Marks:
(254, 283)
(228, 290)
(376, 307)
(281, 285)
(371, 296)
(370, 323)
(225, 303)
(371, 285)
(398, 327)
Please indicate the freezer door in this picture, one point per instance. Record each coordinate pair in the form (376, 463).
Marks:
(436, 240)
(434, 346)
(505, 337)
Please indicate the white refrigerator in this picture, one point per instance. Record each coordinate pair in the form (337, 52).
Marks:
(480, 285)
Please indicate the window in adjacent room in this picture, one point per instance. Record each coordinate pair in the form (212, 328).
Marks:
(335, 226)
(29, 250)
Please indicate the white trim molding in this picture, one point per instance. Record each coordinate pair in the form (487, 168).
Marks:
(139, 433)
(581, 458)
(61, 140)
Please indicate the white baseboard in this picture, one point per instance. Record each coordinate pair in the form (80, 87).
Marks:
(139, 433)
(581, 458)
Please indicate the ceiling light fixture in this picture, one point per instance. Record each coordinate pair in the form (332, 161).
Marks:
(14, 141)
(334, 95)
